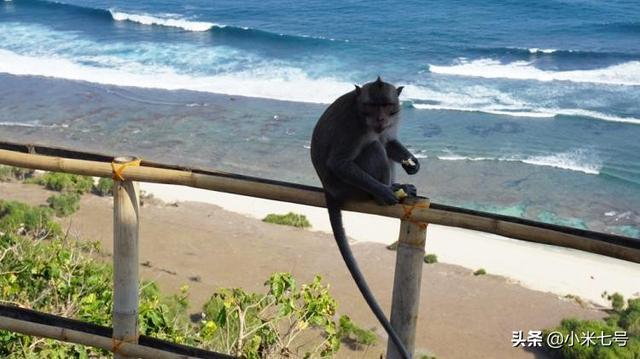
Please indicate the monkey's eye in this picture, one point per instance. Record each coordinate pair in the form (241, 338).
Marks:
(394, 112)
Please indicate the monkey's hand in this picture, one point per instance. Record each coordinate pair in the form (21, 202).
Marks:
(409, 189)
(411, 165)
(386, 196)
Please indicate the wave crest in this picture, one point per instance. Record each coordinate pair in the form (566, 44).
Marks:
(279, 82)
(146, 19)
(578, 160)
(535, 50)
(627, 73)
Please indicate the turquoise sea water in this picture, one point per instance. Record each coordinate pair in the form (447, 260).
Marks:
(526, 108)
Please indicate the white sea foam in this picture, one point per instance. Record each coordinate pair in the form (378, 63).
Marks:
(487, 100)
(578, 160)
(627, 73)
(266, 81)
(535, 50)
(574, 161)
(146, 19)
(485, 110)
(24, 124)
(534, 112)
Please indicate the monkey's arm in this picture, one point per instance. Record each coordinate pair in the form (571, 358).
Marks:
(348, 171)
(398, 153)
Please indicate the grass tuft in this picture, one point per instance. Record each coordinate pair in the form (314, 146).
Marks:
(289, 219)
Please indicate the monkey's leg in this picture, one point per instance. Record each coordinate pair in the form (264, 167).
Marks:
(373, 160)
(353, 174)
(397, 152)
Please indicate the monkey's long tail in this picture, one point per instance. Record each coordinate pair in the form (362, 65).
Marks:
(335, 217)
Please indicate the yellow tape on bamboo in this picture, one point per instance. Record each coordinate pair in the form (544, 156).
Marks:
(118, 168)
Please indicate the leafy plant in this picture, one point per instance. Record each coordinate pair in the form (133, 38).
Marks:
(617, 301)
(431, 258)
(480, 271)
(20, 219)
(8, 173)
(266, 325)
(357, 337)
(104, 187)
(45, 271)
(64, 204)
(66, 182)
(620, 321)
(289, 219)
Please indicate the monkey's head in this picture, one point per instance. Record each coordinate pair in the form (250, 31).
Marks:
(378, 104)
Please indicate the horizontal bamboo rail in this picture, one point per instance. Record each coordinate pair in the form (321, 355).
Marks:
(29, 322)
(606, 244)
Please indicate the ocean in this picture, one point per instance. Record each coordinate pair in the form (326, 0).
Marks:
(529, 109)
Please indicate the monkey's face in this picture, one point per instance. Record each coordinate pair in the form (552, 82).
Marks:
(380, 116)
(379, 106)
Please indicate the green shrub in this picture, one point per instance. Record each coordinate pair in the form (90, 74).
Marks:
(289, 219)
(431, 258)
(104, 187)
(61, 276)
(617, 301)
(256, 325)
(629, 318)
(480, 271)
(65, 182)
(8, 173)
(354, 335)
(64, 204)
(621, 320)
(19, 218)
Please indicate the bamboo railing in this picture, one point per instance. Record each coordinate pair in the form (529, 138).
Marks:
(414, 214)
(45, 325)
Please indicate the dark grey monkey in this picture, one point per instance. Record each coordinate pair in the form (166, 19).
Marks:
(353, 149)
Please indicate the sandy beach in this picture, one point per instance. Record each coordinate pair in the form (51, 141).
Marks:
(461, 315)
(536, 266)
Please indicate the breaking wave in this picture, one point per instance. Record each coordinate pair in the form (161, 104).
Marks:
(146, 19)
(268, 81)
(627, 73)
(579, 160)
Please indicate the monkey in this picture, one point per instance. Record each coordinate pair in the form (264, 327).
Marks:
(354, 148)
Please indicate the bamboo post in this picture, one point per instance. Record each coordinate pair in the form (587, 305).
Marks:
(408, 277)
(125, 259)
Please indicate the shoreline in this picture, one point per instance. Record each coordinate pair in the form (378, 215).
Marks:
(546, 268)
(463, 164)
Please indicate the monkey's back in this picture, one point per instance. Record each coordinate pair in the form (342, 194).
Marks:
(332, 127)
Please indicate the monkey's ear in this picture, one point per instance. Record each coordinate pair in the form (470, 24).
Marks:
(399, 90)
(358, 90)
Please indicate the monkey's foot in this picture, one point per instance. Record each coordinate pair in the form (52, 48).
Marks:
(386, 197)
(409, 189)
